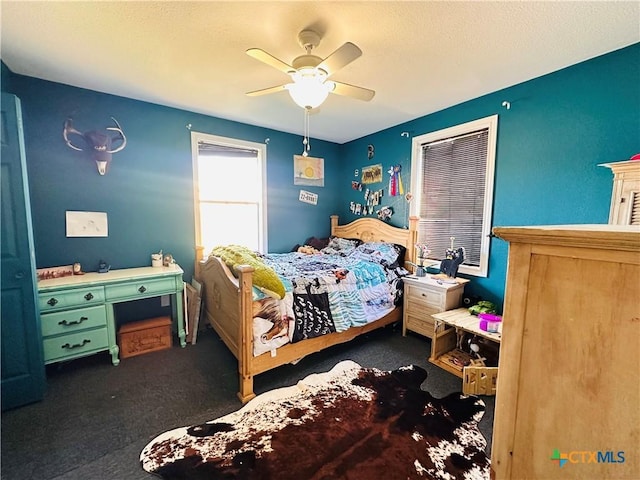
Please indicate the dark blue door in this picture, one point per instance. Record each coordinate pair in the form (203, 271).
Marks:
(23, 374)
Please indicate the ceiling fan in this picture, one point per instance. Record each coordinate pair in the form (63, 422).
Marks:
(310, 73)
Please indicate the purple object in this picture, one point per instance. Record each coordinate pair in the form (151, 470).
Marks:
(489, 322)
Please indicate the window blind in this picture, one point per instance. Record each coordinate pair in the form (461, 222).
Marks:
(452, 201)
(211, 149)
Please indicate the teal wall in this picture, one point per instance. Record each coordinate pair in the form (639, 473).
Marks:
(559, 128)
(147, 191)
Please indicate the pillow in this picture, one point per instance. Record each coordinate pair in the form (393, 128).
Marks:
(386, 254)
(317, 243)
(264, 276)
(402, 251)
(341, 246)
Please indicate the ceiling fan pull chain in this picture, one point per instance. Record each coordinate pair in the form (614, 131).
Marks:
(305, 141)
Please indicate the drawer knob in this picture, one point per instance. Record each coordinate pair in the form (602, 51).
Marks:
(88, 296)
(142, 289)
(52, 301)
(73, 322)
(68, 346)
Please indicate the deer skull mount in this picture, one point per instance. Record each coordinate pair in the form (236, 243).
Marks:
(99, 142)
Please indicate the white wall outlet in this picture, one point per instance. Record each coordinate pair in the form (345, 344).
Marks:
(165, 300)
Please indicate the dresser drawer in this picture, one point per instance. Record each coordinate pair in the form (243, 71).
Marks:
(141, 288)
(75, 344)
(71, 321)
(65, 299)
(425, 296)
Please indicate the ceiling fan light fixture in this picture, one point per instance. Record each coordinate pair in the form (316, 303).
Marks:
(309, 90)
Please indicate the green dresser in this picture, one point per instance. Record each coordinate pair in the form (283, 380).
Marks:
(77, 314)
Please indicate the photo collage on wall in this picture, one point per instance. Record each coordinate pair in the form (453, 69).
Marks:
(372, 198)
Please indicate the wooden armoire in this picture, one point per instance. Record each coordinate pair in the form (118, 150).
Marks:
(625, 196)
(568, 392)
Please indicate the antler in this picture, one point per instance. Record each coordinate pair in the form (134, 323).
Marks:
(121, 136)
(68, 128)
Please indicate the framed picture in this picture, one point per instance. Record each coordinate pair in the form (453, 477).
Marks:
(372, 174)
(87, 224)
(308, 171)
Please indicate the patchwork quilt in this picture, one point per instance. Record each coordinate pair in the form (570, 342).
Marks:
(329, 291)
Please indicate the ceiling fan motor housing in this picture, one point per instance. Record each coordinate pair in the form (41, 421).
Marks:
(308, 39)
(306, 61)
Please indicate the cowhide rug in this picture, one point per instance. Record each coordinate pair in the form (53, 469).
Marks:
(348, 423)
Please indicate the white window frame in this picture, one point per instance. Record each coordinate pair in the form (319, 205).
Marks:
(490, 123)
(261, 148)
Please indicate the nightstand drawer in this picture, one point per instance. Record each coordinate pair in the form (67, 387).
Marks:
(423, 324)
(64, 299)
(414, 306)
(425, 297)
(142, 288)
(75, 344)
(71, 321)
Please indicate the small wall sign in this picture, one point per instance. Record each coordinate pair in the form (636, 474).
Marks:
(308, 197)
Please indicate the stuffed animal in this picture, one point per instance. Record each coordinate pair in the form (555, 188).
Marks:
(308, 249)
(454, 257)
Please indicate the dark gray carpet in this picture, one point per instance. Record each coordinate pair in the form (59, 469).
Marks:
(96, 418)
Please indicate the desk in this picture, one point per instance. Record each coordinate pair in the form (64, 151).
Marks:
(77, 312)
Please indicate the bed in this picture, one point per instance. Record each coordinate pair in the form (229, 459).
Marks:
(230, 302)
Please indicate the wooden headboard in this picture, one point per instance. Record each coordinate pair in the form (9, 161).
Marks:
(374, 230)
(366, 229)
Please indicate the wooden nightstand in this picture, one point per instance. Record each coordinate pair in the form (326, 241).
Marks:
(424, 296)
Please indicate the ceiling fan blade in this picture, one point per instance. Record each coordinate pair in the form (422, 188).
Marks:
(347, 90)
(265, 91)
(269, 59)
(343, 56)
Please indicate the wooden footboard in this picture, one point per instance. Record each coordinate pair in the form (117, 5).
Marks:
(229, 306)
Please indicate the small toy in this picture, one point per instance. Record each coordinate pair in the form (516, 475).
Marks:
(308, 249)
(103, 267)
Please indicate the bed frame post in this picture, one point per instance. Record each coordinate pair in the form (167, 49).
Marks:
(410, 255)
(334, 223)
(199, 257)
(245, 333)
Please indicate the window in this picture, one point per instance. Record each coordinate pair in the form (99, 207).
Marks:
(452, 183)
(230, 192)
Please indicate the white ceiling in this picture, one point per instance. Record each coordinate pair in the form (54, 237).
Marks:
(419, 56)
